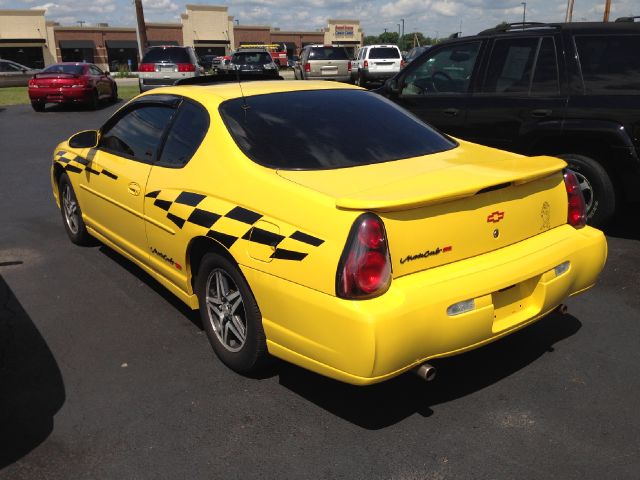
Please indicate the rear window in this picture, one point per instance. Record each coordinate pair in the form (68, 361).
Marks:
(610, 64)
(327, 129)
(166, 55)
(328, 53)
(73, 69)
(251, 58)
(384, 52)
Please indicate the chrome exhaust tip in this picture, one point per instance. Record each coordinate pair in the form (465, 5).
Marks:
(562, 309)
(426, 372)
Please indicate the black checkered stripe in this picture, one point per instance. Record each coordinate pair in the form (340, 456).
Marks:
(77, 164)
(185, 209)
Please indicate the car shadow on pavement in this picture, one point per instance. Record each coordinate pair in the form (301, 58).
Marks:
(382, 405)
(191, 315)
(31, 385)
(76, 107)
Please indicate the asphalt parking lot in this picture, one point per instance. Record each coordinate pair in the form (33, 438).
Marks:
(105, 375)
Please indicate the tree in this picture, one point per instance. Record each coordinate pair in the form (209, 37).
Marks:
(370, 40)
(388, 37)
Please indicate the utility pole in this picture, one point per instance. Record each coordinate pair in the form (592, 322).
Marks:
(524, 13)
(81, 23)
(569, 15)
(141, 28)
(607, 9)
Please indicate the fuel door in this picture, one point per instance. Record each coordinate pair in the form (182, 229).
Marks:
(263, 238)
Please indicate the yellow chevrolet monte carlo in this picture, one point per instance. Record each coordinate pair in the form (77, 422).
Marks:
(322, 224)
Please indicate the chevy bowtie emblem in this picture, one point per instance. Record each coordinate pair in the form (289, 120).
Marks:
(495, 217)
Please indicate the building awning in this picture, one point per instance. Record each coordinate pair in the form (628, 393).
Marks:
(210, 43)
(38, 41)
(76, 44)
(121, 44)
(155, 43)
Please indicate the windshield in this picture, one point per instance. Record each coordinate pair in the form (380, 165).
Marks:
(73, 69)
(327, 129)
(251, 58)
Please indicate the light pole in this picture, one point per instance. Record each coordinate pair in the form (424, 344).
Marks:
(398, 32)
(402, 20)
(524, 13)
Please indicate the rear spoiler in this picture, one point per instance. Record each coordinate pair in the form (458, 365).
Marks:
(225, 78)
(74, 75)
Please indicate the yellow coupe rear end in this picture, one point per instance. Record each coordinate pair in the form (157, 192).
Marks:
(362, 247)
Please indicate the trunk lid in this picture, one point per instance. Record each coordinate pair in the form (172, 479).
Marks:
(442, 208)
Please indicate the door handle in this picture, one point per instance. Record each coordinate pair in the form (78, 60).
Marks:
(541, 113)
(134, 189)
(451, 112)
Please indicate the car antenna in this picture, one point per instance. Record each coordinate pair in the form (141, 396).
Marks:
(245, 105)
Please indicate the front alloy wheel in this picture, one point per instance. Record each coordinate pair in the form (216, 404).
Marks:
(71, 213)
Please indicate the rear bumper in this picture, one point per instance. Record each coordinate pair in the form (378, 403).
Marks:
(364, 342)
(60, 95)
(148, 81)
(373, 75)
(337, 78)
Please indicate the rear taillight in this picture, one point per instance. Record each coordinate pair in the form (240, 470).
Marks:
(365, 267)
(307, 67)
(147, 67)
(577, 214)
(186, 67)
(349, 66)
(402, 63)
(365, 64)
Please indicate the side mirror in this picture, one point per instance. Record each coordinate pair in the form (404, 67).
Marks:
(107, 73)
(84, 139)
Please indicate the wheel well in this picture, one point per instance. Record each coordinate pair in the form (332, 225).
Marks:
(198, 248)
(597, 149)
(58, 170)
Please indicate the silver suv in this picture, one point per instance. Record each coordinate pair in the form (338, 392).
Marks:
(376, 63)
(163, 66)
(323, 62)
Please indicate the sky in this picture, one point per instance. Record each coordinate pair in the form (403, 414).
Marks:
(434, 18)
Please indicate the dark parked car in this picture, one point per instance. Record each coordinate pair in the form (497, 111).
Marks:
(415, 52)
(71, 83)
(569, 90)
(210, 62)
(254, 61)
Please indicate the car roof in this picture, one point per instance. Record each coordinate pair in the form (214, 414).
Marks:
(251, 50)
(206, 94)
(536, 27)
(380, 46)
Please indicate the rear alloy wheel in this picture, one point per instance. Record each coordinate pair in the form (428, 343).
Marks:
(596, 186)
(38, 106)
(230, 315)
(71, 213)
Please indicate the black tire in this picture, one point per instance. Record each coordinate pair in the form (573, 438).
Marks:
(94, 101)
(71, 213)
(597, 188)
(244, 356)
(38, 106)
(361, 81)
(114, 94)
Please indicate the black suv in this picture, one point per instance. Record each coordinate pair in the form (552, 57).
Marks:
(569, 90)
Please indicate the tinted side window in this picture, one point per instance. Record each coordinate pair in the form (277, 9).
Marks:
(511, 65)
(447, 70)
(138, 133)
(610, 64)
(545, 78)
(187, 132)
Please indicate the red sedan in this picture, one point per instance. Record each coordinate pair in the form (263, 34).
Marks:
(71, 83)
